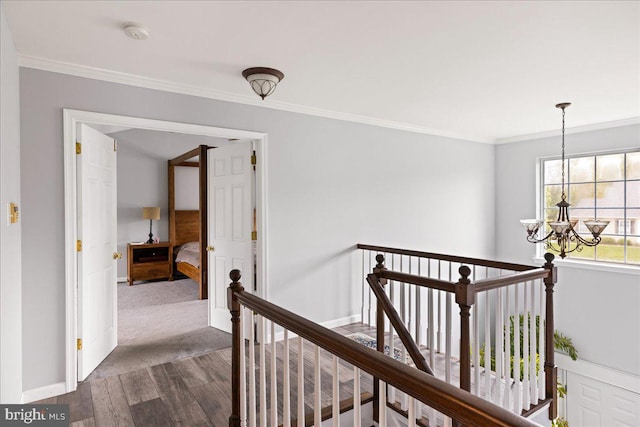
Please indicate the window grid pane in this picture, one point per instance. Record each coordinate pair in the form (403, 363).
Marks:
(603, 187)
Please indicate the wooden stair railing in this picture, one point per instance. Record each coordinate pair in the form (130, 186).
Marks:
(466, 289)
(453, 402)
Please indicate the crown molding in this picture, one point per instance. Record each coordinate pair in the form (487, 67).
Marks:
(577, 129)
(39, 63)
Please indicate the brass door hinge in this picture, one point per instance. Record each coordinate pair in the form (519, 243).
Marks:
(79, 343)
(78, 148)
(254, 235)
(254, 159)
(115, 145)
(79, 245)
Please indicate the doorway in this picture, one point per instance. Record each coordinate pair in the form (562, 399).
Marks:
(71, 120)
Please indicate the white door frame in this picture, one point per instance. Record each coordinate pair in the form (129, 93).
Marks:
(70, 119)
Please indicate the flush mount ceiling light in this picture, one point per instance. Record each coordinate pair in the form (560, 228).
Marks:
(563, 237)
(263, 80)
(136, 31)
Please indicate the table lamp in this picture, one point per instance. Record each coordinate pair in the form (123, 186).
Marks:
(150, 213)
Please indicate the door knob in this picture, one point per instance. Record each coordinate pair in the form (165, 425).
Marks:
(210, 249)
(117, 255)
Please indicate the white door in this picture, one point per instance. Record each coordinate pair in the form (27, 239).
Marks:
(230, 225)
(97, 303)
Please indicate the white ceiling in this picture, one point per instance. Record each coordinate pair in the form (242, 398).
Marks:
(483, 70)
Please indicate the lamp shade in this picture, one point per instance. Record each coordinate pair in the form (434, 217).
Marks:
(151, 213)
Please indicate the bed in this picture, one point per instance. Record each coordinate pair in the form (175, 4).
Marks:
(188, 228)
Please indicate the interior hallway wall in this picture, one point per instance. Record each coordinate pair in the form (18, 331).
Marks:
(599, 310)
(331, 184)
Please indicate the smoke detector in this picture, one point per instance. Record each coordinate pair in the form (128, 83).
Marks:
(136, 31)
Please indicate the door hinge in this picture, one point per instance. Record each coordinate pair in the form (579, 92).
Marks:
(254, 235)
(79, 343)
(254, 159)
(115, 145)
(78, 245)
(78, 148)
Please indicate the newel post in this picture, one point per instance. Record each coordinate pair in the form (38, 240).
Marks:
(465, 298)
(379, 335)
(236, 375)
(550, 369)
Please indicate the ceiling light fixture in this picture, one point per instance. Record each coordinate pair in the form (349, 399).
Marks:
(136, 31)
(563, 237)
(263, 80)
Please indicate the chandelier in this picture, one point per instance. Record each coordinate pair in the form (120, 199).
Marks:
(563, 237)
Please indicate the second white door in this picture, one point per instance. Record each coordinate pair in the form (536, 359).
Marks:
(230, 225)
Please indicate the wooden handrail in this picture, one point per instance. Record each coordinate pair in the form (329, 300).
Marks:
(510, 279)
(446, 398)
(443, 257)
(426, 282)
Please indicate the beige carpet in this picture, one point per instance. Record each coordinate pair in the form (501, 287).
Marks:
(159, 322)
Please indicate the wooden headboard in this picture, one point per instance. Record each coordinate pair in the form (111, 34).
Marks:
(187, 227)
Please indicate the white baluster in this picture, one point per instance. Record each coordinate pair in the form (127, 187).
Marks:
(487, 348)
(439, 315)
(364, 313)
(357, 398)
(286, 387)
(418, 312)
(317, 397)
(499, 346)
(448, 334)
(274, 378)
(541, 373)
(300, 414)
(382, 407)
(243, 369)
(263, 374)
(526, 398)
(252, 371)
(517, 402)
(336, 394)
(392, 334)
(431, 325)
(476, 348)
(507, 350)
(411, 413)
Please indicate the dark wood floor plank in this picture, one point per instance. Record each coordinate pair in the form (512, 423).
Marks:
(109, 402)
(215, 401)
(191, 415)
(138, 386)
(151, 413)
(195, 371)
(80, 402)
(170, 386)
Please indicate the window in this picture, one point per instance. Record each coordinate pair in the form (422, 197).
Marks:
(603, 186)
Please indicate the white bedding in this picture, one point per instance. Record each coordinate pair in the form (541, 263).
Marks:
(190, 253)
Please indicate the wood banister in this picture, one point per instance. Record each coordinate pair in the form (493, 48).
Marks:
(445, 398)
(443, 257)
(510, 279)
(426, 282)
(398, 325)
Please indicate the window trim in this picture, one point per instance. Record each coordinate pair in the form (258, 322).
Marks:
(622, 268)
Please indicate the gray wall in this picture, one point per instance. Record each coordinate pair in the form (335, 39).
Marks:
(10, 235)
(599, 310)
(331, 184)
(142, 181)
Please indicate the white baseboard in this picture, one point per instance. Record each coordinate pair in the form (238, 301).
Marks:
(601, 373)
(122, 279)
(45, 392)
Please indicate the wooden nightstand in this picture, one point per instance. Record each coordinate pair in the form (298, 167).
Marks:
(149, 261)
